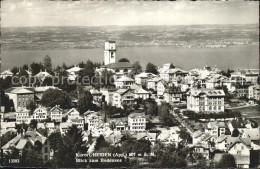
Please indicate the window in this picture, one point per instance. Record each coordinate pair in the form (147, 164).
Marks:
(45, 157)
(46, 150)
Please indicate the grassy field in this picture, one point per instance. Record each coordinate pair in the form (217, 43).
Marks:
(250, 112)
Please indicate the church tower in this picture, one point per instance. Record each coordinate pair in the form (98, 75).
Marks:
(110, 52)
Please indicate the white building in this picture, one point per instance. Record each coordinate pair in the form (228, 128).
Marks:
(40, 114)
(141, 93)
(72, 113)
(254, 92)
(43, 74)
(73, 72)
(123, 97)
(6, 73)
(152, 83)
(23, 116)
(161, 86)
(110, 52)
(205, 100)
(142, 78)
(137, 122)
(92, 119)
(124, 82)
(56, 114)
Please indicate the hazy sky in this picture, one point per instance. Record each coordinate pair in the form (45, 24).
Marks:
(97, 13)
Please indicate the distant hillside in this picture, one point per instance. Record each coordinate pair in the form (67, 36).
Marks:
(211, 36)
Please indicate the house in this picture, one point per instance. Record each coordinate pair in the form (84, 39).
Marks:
(240, 149)
(23, 116)
(172, 94)
(141, 93)
(78, 121)
(56, 114)
(216, 128)
(123, 97)
(124, 82)
(202, 149)
(72, 113)
(40, 114)
(152, 83)
(6, 73)
(168, 72)
(42, 75)
(147, 136)
(97, 96)
(137, 122)
(245, 127)
(221, 142)
(121, 125)
(64, 127)
(20, 96)
(50, 126)
(29, 140)
(161, 86)
(142, 78)
(253, 134)
(92, 119)
(73, 72)
(254, 92)
(169, 137)
(205, 100)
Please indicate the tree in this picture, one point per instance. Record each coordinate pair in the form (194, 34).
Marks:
(172, 66)
(47, 63)
(152, 109)
(101, 142)
(151, 68)
(235, 133)
(85, 102)
(137, 68)
(184, 134)
(112, 125)
(123, 60)
(36, 68)
(72, 143)
(52, 97)
(55, 139)
(227, 161)
(33, 124)
(90, 138)
(142, 146)
(165, 117)
(31, 106)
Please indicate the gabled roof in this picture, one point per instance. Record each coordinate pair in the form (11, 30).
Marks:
(221, 138)
(125, 79)
(43, 74)
(72, 110)
(145, 75)
(136, 115)
(118, 65)
(146, 134)
(123, 91)
(21, 91)
(231, 141)
(208, 92)
(56, 108)
(7, 72)
(141, 91)
(74, 69)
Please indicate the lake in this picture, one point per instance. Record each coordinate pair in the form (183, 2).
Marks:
(243, 56)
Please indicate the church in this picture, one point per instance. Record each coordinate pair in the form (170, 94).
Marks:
(119, 68)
